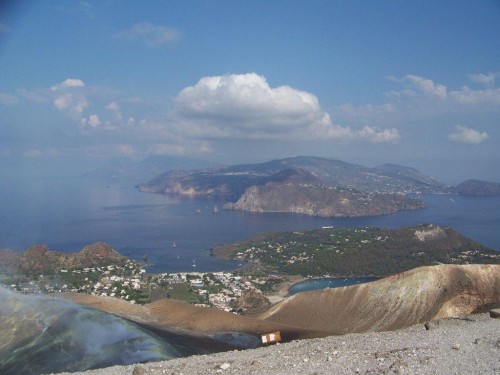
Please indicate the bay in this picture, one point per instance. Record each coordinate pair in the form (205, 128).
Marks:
(176, 233)
(328, 282)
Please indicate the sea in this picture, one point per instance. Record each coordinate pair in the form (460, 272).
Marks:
(327, 282)
(176, 233)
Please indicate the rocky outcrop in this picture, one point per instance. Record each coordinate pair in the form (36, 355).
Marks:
(252, 299)
(298, 191)
(39, 259)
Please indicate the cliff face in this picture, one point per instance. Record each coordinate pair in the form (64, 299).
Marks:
(304, 194)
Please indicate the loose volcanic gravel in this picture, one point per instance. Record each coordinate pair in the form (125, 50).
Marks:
(469, 345)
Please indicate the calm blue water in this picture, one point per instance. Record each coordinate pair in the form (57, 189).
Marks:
(328, 282)
(69, 214)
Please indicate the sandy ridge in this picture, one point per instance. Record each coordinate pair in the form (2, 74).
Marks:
(172, 315)
(415, 296)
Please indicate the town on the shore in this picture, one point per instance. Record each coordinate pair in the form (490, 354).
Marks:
(131, 282)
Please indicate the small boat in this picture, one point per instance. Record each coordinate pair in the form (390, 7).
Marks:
(174, 245)
(216, 209)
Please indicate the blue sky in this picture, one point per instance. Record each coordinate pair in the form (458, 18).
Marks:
(409, 82)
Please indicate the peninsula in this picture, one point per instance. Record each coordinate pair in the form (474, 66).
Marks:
(356, 252)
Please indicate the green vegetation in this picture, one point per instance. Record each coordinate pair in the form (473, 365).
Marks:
(183, 292)
(351, 252)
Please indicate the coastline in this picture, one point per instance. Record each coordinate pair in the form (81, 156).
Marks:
(280, 291)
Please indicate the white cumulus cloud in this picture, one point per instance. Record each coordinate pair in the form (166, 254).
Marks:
(422, 85)
(71, 104)
(152, 35)
(485, 79)
(246, 106)
(375, 135)
(69, 97)
(113, 106)
(68, 83)
(466, 135)
(94, 121)
(420, 98)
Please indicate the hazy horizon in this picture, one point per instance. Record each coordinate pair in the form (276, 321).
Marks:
(412, 83)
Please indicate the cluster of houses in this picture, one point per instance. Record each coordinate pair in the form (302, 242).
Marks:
(126, 282)
(219, 289)
(132, 283)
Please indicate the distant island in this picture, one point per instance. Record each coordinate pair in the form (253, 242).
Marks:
(313, 186)
(304, 184)
(231, 181)
(477, 188)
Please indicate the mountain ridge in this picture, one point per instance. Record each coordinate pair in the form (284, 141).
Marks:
(231, 181)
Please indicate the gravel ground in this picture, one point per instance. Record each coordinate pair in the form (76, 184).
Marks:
(468, 345)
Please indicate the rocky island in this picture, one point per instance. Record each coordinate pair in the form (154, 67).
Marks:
(299, 191)
(306, 185)
(477, 188)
